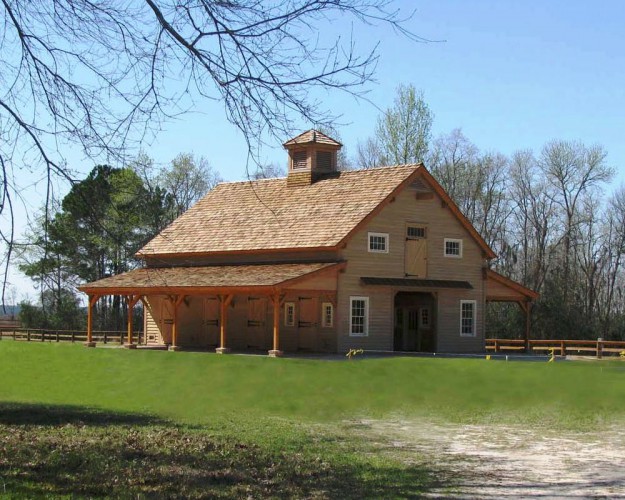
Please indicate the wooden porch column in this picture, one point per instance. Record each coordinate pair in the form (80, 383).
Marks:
(92, 300)
(527, 308)
(224, 302)
(276, 352)
(174, 327)
(131, 300)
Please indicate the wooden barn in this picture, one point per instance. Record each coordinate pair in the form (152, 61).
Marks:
(319, 261)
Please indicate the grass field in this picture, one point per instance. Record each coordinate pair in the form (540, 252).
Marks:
(98, 422)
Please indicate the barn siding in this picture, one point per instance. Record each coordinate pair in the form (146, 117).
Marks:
(441, 224)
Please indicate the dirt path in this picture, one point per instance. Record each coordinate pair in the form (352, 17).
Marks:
(498, 461)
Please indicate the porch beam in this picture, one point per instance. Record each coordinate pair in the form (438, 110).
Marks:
(92, 300)
(277, 299)
(224, 302)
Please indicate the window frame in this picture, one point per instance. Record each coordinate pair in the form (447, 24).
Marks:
(288, 305)
(460, 249)
(365, 325)
(428, 325)
(474, 325)
(380, 235)
(324, 323)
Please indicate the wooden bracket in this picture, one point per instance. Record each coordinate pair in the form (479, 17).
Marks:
(131, 300)
(93, 299)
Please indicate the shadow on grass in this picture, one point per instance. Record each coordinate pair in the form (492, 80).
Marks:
(37, 414)
(51, 451)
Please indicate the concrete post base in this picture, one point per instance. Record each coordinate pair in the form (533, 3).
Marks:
(222, 350)
(130, 346)
(89, 344)
(275, 353)
(173, 348)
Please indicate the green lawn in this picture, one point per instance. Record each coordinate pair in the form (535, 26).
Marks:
(93, 422)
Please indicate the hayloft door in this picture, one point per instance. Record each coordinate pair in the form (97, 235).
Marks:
(416, 256)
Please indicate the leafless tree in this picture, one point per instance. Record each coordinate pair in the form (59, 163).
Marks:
(101, 76)
(188, 179)
(268, 171)
(574, 171)
(369, 154)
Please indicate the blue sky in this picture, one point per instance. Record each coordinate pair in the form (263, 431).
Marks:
(511, 74)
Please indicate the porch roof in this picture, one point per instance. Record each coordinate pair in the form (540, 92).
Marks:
(502, 289)
(209, 279)
(416, 282)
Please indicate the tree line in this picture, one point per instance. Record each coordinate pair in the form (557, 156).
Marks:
(551, 216)
(95, 231)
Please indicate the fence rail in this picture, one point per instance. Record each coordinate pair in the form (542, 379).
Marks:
(597, 347)
(42, 335)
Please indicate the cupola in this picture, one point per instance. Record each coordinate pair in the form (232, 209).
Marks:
(311, 155)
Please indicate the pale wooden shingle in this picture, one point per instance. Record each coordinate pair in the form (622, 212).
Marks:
(268, 215)
(262, 275)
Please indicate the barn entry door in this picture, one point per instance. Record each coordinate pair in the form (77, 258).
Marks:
(257, 337)
(307, 324)
(416, 251)
(166, 320)
(211, 321)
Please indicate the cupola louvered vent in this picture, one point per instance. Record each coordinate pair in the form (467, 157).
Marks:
(300, 160)
(324, 161)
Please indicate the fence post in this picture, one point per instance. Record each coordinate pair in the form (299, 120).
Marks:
(599, 348)
(562, 348)
(105, 335)
(57, 335)
(43, 335)
(73, 335)
(28, 335)
(496, 346)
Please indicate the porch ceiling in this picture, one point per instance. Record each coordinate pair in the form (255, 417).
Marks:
(416, 282)
(209, 279)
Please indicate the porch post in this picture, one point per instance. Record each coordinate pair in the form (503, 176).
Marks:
(528, 322)
(92, 300)
(174, 327)
(131, 300)
(224, 302)
(276, 352)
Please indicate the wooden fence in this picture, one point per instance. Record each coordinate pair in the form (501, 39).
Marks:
(40, 335)
(597, 347)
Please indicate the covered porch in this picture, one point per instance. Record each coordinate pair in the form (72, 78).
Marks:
(259, 306)
(502, 289)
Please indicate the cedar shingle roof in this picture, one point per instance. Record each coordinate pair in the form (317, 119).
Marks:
(246, 276)
(312, 136)
(266, 215)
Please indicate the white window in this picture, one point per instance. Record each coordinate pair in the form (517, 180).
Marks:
(289, 314)
(467, 318)
(424, 318)
(358, 316)
(378, 242)
(453, 248)
(327, 315)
